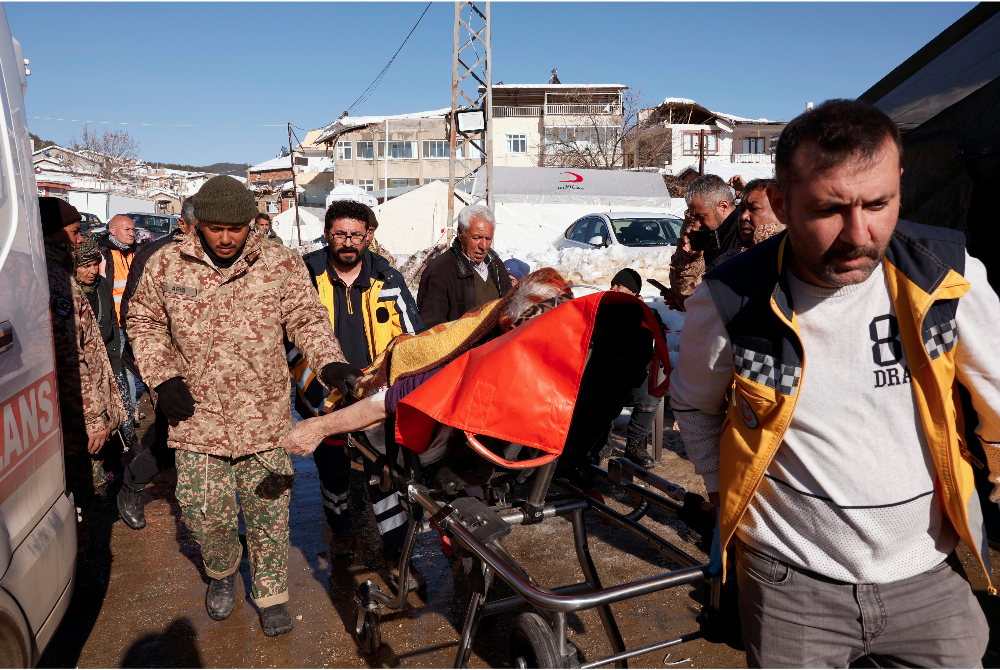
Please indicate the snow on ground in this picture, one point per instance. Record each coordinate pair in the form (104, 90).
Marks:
(594, 268)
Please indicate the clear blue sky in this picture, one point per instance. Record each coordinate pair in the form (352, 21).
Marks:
(262, 63)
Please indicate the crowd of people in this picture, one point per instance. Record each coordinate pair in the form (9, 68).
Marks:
(840, 500)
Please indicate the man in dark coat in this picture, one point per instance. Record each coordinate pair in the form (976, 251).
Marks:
(157, 457)
(468, 277)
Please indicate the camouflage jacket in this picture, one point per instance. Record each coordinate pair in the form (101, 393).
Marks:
(686, 270)
(89, 401)
(377, 248)
(223, 332)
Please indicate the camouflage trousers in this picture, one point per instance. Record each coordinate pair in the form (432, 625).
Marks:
(207, 488)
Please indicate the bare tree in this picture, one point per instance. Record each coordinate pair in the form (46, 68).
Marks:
(110, 156)
(600, 131)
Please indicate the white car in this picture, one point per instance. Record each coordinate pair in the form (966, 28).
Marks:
(627, 229)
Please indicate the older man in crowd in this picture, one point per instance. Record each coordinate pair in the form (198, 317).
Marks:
(710, 206)
(118, 249)
(468, 277)
(757, 221)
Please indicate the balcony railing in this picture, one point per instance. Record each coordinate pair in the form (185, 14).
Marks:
(503, 112)
(753, 158)
(609, 109)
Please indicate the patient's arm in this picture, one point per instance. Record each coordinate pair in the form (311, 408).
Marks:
(307, 434)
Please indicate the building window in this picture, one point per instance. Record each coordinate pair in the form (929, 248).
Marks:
(343, 151)
(754, 145)
(342, 182)
(437, 149)
(397, 183)
(366, 184)
(473, 148)
(692, 148)
(365, 150)
(516, 144)
(271, 207)
(398, 149)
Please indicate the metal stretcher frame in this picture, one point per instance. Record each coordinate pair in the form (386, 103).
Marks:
(552, 604)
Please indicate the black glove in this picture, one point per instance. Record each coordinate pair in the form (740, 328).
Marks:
(174, 398)
(341, 376)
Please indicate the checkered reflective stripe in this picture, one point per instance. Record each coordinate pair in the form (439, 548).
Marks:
(763, 369)
(941, 338)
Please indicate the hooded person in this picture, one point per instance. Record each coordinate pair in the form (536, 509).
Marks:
(90, 407)
(207, 324)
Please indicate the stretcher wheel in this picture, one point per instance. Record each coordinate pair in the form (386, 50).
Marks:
(368, 631)
(532, 644)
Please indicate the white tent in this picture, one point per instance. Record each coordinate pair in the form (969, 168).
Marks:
(414, 221)
(351, 192)
(310, 220)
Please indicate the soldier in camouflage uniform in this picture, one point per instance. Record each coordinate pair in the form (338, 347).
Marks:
(207, 323)
(90, 406)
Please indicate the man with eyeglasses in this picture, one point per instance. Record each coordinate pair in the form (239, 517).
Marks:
(369, 305)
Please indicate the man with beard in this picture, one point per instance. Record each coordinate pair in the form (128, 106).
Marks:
(710, 206)
(845, 487)
(756, 222)
(207, 323)
(369, 305)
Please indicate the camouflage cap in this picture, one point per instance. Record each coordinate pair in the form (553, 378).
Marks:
(88, 252)
(223, 199)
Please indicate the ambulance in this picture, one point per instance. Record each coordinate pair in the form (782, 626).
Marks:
(37, 515)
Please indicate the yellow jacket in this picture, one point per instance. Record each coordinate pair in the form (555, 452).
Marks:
(924, 266)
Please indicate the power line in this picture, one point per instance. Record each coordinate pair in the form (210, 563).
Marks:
(165, 125)
(378, 80)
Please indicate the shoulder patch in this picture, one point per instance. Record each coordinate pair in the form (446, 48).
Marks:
(170, 288)
(62, 306)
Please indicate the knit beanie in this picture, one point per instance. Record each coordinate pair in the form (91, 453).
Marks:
(628, 278)
(88, 251)
(56, 214)
(223, 199)
(516, 268)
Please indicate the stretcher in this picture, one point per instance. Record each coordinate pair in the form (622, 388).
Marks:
(592, 350)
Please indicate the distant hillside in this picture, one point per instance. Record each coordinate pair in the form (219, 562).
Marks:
(216, 168)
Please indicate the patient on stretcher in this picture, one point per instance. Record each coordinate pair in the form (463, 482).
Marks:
(411, 360)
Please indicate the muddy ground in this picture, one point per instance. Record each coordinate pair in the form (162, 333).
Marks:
(143, 603)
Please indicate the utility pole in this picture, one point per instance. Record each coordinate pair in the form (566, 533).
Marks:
(295, 189)
(472, 44)
(701, 152)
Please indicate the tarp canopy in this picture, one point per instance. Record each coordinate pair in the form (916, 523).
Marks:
(946, 99)
(351, 192)
(562, 186)
(310, 219)
(414, 221)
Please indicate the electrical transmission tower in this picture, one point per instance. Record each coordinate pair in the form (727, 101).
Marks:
(471, 120)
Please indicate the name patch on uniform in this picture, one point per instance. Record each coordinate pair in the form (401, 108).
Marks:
(749, 418)
(259, 288)
(62, 306)
(177, 289)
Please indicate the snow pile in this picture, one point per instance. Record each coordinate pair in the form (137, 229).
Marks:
(597, 266)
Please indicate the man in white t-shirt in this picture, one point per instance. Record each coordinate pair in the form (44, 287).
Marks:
(845, 484)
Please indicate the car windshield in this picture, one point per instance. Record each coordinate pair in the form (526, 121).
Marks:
(635, 232)
(154, 224)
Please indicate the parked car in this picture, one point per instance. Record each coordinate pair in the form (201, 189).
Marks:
(90, 222)
(158, 224)
(37, 515)
(628, 229)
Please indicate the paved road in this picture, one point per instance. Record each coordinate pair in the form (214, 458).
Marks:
(147, 609)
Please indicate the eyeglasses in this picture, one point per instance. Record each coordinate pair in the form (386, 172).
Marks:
(355, 238)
